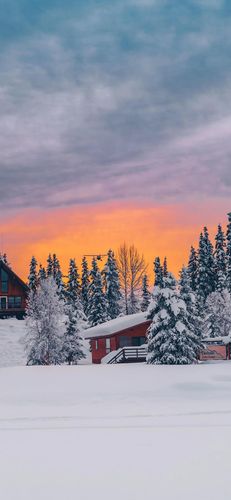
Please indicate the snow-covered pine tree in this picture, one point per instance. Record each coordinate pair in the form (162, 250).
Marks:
(112, 286)
(44, 325)
(220, 259)
(85, 283)
(49, 270)
(192, 309)
(146, 295)
(73, 350)
(58, 275)
(228, 252)
(170, 340)
(217, 317)
(33, 275)
(97, 305)
(73, 285)
(165, 268)
(42, 273)
(206, 268)
(193, 269)
(158, 272)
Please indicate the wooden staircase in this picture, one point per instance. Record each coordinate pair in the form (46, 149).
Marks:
(129, 355)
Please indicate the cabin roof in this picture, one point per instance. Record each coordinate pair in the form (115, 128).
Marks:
(13, 275)
(115, 326)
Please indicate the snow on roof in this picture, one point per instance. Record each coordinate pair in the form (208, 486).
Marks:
(215, 340)
(115, 325)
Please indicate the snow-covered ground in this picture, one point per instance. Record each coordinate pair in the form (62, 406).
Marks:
(118, 432)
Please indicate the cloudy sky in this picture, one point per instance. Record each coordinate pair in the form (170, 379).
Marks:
(115, 123)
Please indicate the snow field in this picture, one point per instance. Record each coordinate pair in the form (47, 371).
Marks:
(115, 432)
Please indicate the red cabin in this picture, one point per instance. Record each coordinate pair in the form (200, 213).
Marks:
(13, 293)
(124, 332)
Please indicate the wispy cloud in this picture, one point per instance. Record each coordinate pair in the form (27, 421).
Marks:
(122, 101)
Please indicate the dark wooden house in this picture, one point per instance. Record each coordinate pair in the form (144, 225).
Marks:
(13, 293)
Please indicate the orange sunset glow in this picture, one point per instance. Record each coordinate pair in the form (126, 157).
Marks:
(73, 232)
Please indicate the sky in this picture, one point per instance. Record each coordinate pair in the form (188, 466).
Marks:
(115, 125)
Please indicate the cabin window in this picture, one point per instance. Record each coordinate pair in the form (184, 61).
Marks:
(108, 346)
(4, 281)
(96, 345)
(14, 302)
(124, 341)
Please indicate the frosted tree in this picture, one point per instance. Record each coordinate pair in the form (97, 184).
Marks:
(33, 275)
(44, 325)
(193, 269)
(73, 284)
(217, 317)
(170, 340)
(85, 283)
(76, 321)
(58, 276)
(220, 259)
(112, 286)
(165, 268)
(97, 305)
(158, 272)
(146, 295)
(206, 268)
(49, 270)
(228, 252)
(192, 309)
(42, 273)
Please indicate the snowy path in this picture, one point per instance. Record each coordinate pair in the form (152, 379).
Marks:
(115, 432)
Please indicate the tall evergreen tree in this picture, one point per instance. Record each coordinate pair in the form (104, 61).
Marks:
(206, 268)
(146, 295)
(85, 283)
(193, 269)
(73, 350)
(165, 268)
(158, 272)
(192, 309)
(228, 252)
(33, 275)
(49, 270)
(220, 259)
(217, 317)
(170, 340)
(112, 286)
(97, 305)
(73, 285)
(42, 273)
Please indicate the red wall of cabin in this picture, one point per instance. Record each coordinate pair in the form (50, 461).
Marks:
(100, 352)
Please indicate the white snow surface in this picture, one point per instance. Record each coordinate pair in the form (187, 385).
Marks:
(118, 432)
(115, 325)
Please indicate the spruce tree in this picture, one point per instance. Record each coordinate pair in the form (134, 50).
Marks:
(44, 324)
(73, 285)
(165, 268)
(158, 272)
(42, 273)
(220, 259)
(73, 350)
(206, 268)
(228, 252)
(146, 295)
(193, 269)
(112, 286)
(192, 309)
(33, 276)
(85, 283)
(97, 305)
(49, 270)
(170, 339)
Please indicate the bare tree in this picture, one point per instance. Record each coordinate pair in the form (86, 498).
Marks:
(132, 267)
